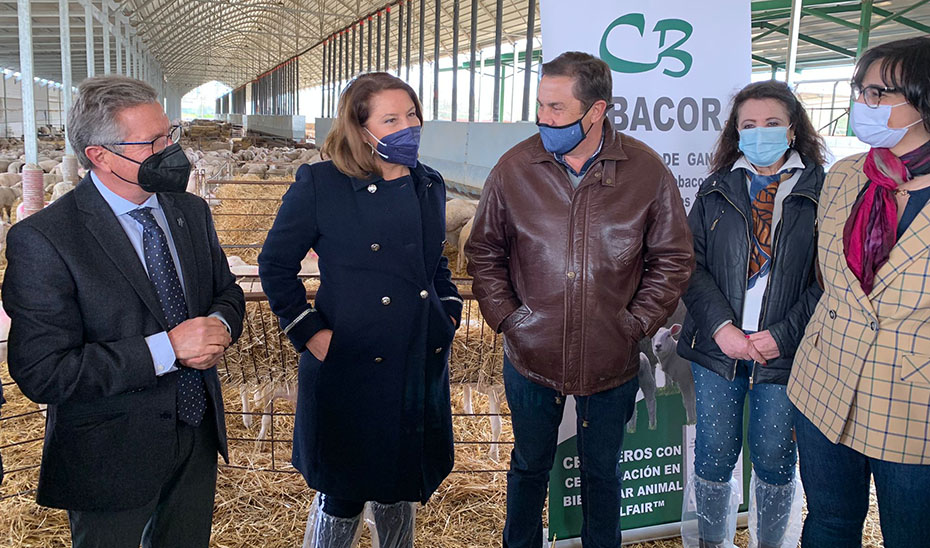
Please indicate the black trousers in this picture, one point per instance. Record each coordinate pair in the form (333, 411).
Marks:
(181, 514)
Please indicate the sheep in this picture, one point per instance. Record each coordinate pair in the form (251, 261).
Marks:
(647, 384)
(675, 367)
(8, 197)
(15, 167)
(463, 239)
(263, 398)
(458, 211)
(48, 165)
(10, 179)
(60, 189)
(495, 394)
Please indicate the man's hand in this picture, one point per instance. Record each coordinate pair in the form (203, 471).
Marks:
(765, 344)
(736, 344)
(318, 345)
(199, 343)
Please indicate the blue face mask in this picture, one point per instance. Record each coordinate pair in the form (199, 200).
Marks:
(400, 147)
(563, 139)
(763, 146)
(871, 125)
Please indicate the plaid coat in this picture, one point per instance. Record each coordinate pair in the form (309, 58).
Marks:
(862, 372)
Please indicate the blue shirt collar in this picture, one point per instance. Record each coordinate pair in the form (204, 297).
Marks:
(117, 203)
(560, 158)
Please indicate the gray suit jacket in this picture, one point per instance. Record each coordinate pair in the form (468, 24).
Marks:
(81, 306)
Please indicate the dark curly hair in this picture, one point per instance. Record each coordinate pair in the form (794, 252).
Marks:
(807, 141)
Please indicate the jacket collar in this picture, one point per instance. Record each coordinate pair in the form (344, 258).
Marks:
(611, 148)
(419, 173)
(732, 183)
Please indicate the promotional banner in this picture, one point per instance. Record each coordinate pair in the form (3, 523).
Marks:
(676, 64)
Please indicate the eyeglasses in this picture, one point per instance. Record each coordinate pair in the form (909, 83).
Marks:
(871, 95)
(159, 143)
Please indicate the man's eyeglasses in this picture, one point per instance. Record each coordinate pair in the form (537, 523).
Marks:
(159, 143)
(871, 95)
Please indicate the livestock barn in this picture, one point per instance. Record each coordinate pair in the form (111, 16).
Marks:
(252, 90)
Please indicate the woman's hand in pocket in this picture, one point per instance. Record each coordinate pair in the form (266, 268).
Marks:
(318, 345)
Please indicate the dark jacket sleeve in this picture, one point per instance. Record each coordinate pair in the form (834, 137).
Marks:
(228, 299)
(48, 356)
(668, 257)
(488, 252)
(704, 300)
(294, 232)
(789, 332)
(442, 281)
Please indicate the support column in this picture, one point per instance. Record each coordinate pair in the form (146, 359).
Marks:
(794, 29)
(117, 38)
(106, 35)
(33, 190)
(65, 32)
(89, 37)
(862, 44)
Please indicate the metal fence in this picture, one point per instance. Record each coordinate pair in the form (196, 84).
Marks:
(263, 359)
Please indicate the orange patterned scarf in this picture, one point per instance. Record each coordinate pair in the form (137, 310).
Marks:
(762, 191)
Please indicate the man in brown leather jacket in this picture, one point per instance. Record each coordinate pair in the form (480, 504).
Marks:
(580, 248)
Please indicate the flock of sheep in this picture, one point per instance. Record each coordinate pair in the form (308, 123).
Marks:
(219, 161)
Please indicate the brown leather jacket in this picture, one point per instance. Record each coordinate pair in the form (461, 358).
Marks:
(575, 277)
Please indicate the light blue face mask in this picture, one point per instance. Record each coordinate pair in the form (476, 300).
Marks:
(871, 125)
(763, 146)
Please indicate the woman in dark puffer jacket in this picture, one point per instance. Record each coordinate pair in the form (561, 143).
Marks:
(751, 295)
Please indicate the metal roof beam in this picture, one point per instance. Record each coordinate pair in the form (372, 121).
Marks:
(769, 62)
(811, 40)
(897, 17)
(821, 14)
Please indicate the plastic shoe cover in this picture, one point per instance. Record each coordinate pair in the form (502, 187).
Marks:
(708, 513)
(774, 513)
(326, 531)
(391, 525)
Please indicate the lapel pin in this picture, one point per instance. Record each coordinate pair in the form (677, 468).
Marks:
(372, 188)
(180, 221)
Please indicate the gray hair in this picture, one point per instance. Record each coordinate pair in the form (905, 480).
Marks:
(92, 119)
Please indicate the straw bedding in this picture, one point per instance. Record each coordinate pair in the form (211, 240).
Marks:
(256, 507)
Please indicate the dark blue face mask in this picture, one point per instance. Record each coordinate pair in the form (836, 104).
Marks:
(563, 139)
(400, 147)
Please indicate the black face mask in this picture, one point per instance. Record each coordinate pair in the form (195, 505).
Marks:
(166, 171)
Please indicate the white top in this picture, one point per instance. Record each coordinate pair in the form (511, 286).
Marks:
(752, 304)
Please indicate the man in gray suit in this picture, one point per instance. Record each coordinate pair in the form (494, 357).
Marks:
(121, 303)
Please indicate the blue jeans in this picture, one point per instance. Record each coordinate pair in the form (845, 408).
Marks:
(836, 483)
(536, 412)
(719, 439)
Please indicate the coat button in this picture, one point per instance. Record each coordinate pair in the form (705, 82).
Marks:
(375, 246)
(424, 294)
(379, 359)
(438, 350)
(833, 314)
(372, 188)
(570, 275)
(385, 301)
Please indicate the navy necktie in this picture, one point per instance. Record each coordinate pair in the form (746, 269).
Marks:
(192, 400)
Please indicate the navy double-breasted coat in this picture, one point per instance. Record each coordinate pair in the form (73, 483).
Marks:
(373, 419)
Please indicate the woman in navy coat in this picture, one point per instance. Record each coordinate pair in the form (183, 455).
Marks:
(373, 419)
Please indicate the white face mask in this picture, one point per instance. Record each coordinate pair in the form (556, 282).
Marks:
(871, 125)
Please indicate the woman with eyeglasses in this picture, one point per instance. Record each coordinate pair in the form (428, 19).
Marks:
(749, 299)
(861, 379)
(374, 422)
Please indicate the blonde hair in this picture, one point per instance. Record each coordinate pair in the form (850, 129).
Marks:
(344, 145)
